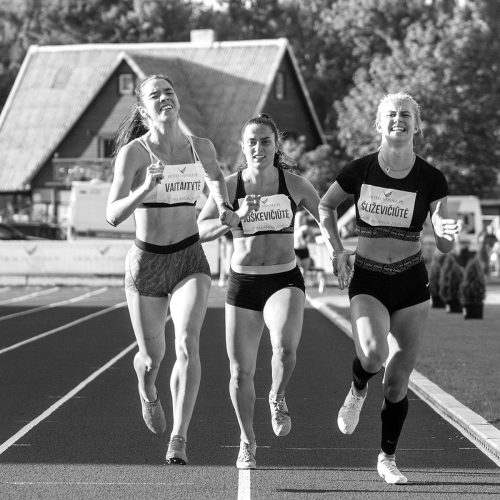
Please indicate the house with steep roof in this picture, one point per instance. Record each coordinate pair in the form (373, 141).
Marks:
(59, 121)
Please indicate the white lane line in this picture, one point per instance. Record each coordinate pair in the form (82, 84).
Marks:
(55, 304)
(475, 428)
(30, 295)
(18, 435)
(63, 327)
(244, 485)
(88, 483)
(4, 289)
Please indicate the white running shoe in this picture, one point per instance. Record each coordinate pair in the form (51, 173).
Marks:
(280, 419)
(387, 470)
(348, 417)
(246, 456)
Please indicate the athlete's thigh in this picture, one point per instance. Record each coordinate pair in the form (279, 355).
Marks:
(148, 316)
(188, 302)
(370, 324)
(407, 331)
(284, 316)
(243, 333)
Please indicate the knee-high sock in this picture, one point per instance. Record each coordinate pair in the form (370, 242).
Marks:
(360, 376)
(393, 417)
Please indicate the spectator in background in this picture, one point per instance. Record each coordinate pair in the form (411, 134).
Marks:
(302, 234)
(487, 240)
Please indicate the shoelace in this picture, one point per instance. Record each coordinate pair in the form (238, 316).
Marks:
(281, 413)
(391, 467)
(354, 401)
(177, 444)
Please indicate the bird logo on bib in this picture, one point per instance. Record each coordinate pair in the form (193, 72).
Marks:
(275, 213)
(380, 206)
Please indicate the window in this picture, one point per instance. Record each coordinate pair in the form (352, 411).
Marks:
(106, 147)
(279, 86)
(126, 84)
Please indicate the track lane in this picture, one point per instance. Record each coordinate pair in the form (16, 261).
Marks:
(96, 446)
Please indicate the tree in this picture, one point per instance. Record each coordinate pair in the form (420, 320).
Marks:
(451, 67)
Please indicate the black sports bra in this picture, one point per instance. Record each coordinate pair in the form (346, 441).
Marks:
(276, 214)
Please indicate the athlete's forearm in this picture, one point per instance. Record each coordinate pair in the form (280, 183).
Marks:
(218, 189)
(329, 229)
(211, 229)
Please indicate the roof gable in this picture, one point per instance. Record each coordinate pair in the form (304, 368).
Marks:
(219, 86)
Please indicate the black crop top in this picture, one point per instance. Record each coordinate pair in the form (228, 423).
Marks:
(276, 213)
(388, 207)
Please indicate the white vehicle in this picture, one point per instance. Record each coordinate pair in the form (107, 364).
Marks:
(465, 209)
(87, 212)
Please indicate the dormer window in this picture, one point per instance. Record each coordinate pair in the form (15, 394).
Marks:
(126, 84)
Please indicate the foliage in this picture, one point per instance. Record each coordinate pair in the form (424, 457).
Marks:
(451, 67)
(473, 285)
(435, 272)
(450, 280)
(349, 53)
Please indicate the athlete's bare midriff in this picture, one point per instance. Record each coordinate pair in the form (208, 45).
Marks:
(263, 250)
(386, 250)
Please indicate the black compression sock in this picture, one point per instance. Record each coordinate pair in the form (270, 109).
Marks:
(393, 417)
(360, 376)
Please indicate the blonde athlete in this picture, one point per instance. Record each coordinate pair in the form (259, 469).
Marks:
(394, 190)
(266, 287)
(159, 174)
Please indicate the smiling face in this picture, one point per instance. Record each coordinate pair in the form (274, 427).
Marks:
(397, 120)
(159, 100)
(259, 145)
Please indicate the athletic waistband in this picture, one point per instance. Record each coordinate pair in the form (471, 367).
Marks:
(391, 268)
(397, 233)
(276, 268)
(175, 247)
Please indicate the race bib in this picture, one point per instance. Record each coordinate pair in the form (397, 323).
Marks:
(379, 206)
(275, 213)
(181, 184)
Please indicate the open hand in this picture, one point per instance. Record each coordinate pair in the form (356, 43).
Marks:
(343, 268)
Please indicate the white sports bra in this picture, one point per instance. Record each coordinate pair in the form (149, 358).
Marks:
(181, 184)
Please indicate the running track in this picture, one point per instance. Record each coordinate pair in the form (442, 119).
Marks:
(71, 426)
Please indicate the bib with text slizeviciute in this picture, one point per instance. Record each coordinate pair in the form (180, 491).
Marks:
(380, 206)
(181, 183)
(275, 213)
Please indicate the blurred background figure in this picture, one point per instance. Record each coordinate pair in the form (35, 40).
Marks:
(302, 235)
(488, 249)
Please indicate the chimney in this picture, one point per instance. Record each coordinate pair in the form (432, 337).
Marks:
(203, 37)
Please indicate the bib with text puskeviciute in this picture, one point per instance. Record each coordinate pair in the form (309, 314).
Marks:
(275, 213)
(181, 183)
(379, 206)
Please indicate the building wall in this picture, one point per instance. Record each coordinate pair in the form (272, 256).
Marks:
(101, 119)
(291, 114)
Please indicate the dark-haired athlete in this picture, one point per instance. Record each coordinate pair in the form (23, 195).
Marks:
(266, 287)
(159, 174)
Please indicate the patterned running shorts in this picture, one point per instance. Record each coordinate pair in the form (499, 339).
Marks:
(154, 270)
